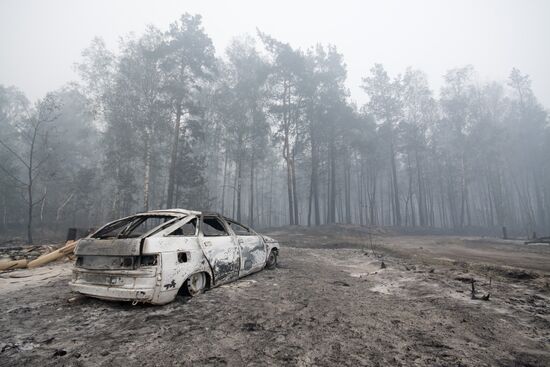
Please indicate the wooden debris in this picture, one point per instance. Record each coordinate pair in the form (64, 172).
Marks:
(13, 264)
(68, 249)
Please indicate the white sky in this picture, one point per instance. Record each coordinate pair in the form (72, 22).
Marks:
(41, 40)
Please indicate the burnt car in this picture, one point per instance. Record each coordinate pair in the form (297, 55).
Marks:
(151, 257)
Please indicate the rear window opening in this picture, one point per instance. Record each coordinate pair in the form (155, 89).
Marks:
(133, 227)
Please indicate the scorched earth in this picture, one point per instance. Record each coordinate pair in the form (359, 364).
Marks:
(341, 295)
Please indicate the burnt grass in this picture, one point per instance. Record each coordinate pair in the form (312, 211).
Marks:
(329, 303)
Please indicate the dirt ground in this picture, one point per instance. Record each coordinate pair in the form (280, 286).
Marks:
(330, 302)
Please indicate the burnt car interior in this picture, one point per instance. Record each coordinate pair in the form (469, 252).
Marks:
(188, 229)
(239, 229)
(212, 227)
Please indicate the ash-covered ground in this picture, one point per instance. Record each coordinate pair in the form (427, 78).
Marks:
(330, 302)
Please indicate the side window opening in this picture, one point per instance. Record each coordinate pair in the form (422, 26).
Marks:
(213, 227)
(188, 229)
(239, 230)
(166, 225)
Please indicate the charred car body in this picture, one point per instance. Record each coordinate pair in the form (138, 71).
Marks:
(150, 257)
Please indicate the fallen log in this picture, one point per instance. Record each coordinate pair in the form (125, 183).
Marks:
(52, 256)
(13, 264)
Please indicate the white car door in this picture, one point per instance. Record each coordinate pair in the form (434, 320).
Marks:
(251, 246)
(220, 249)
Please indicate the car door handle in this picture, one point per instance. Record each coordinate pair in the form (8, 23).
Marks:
(241, 241)
(207, 243)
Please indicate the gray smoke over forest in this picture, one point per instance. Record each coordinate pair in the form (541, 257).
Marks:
(270, 131)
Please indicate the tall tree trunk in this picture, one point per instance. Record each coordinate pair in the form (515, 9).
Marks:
(234, 192)
(541, 214)
(238, 187)
(421, 199)
(332, 195)
(251, 202)
(174, 158)
(410, 191)
(224, 183)
(396, 205)
(314, 182)
(347, 188)
(360, 188)
(289, 190)
(147, 175)
(309, 203)
(30, 185)
(271, 195)
(464, 205)
(5, 212)
(315, 178)
(286, 150)
(295, 193)
(29, 209)
(372, 197)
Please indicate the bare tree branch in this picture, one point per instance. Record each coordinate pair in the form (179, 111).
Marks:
(14, 153)
(12, 176)
(39, 200)
(37, 167)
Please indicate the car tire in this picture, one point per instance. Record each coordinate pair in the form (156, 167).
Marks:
(195, 284)
(271, 262)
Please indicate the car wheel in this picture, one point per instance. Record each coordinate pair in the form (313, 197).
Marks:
(195, 284)
(271, 262)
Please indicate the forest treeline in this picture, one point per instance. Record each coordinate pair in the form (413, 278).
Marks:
(267, 134)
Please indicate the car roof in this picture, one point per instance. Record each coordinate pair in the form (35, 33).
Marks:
(182, 212)
(175, 211)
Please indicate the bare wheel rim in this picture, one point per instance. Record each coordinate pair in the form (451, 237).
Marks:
(271, 259)
(196, 283)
